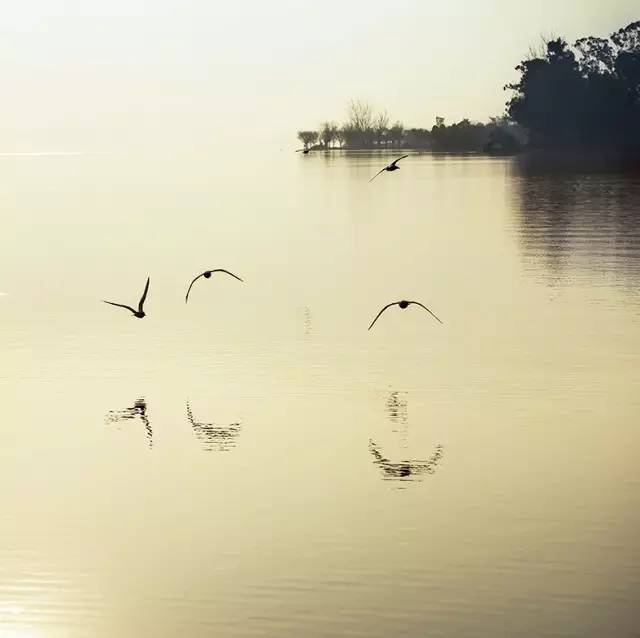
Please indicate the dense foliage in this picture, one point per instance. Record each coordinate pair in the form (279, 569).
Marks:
(587, 95)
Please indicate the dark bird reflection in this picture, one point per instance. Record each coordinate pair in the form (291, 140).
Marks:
(218, 438)
(139, 410)
(398, 407)
(405, 470)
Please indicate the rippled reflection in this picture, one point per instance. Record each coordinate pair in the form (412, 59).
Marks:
(139, 410)
(219, 438)
(405, 470)
(575, 225)
(398, 407)
(308, 324)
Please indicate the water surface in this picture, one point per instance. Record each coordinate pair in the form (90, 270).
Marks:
(256, 463)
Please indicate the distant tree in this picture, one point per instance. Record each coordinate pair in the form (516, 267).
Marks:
(396, 133)
(588, 96)
(504, 136)
(627, 39)
(596, 55)
(360, 115)
(460, 137)
(547, 95)
(417, 138)
(308, 138)
(359, 128)
(324, 134)
(351, 137)
(381, 127)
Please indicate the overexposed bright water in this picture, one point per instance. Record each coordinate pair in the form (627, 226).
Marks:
(256, 463)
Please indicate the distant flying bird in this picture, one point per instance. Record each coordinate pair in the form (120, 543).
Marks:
(139, 313)
(207, 275)
(305, 151)
(392, 167)
(403, 304)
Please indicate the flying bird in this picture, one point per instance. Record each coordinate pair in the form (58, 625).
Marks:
(403, 304)
(392, 167)
(139, 313)
(207, 275)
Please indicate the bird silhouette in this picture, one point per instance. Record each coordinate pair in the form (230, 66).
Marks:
(403, 304)
(139, 313)
(391, 167)
(207, 275)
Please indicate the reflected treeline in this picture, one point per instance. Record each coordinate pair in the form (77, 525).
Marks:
(405, 470)
(574, 223)
(220, 438)
(138, 411)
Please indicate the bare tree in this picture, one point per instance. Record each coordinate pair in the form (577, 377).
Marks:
(360, 115)
(308, 138)
(328, 133)
(539, 50)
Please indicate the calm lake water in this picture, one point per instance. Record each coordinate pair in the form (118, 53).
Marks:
(256, 463)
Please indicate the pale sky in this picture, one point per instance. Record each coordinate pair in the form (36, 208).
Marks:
(92, 75)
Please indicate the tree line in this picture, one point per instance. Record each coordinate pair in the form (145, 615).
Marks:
(365, 129)
(580, 96)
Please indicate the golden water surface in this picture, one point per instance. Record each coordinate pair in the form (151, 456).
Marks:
(257, 463)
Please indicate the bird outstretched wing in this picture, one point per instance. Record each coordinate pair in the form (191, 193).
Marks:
(397, 160)
(395, 303)
(228, 273)
(120, 305)
(144, 295)
(427, 309)
(382, 170)
(191, 284)
(210, 271)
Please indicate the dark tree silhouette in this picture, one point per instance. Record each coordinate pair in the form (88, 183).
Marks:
(308, 138)
(364, 130)
(328, 133)
(587, 96)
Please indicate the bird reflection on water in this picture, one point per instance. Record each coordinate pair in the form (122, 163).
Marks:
(220, 438)
(407, 470)
(398, 408)
(139, 410)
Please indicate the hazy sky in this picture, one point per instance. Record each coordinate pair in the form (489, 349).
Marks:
(105, 75)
